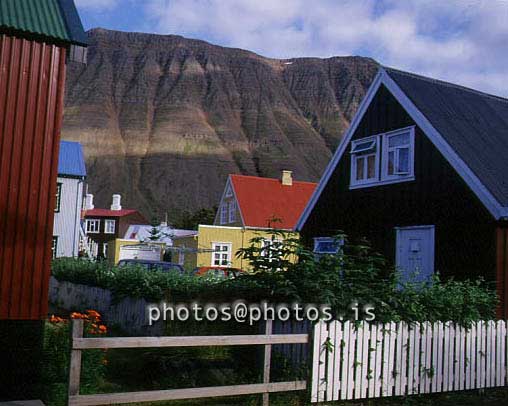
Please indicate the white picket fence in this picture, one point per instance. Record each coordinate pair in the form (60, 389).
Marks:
(396, 359)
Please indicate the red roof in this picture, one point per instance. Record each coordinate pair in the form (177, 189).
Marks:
(263, 199)
(109, 213)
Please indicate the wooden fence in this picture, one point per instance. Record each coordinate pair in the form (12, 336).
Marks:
(396, 359)
(267, 340)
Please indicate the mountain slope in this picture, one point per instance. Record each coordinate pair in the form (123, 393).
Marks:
(164, 119)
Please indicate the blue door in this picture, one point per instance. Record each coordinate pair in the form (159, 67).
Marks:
(415, 253)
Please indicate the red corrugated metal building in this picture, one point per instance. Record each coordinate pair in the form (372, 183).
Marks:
(35, 39)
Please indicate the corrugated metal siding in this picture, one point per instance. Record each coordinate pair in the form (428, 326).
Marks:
(42, 17)
(67, 220)
(32, 77)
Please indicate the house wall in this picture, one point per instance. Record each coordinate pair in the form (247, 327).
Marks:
(465, 240)
(190, 258)
(238, 237)
(67, 219)
(32, 78)
(502, 270)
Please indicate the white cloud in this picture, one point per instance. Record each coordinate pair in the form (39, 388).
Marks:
(457, 40)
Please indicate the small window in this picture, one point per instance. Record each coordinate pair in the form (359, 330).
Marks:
(221, 255)
(232, 211)
(58, 197)
(229, 191)
(109, 226)
(364, 161)
(326, 245)
(92, 226)
(398, 153)
(224, 213)
(54, 247)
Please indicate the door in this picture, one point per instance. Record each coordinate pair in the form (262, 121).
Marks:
(415, 253)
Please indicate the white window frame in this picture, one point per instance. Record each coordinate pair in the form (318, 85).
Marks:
(94, 230)
(355, 157)
(318, 240)
(266, 242)
(382, 150)
(232, 211)
(229, 191)
(223, 213)
(397, 177)
(215, 250)
(107, 223)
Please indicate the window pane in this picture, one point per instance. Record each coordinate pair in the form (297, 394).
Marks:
(371, 166)
(391, 162)
(403, 164)
(398, 140)
(359, 168)
(366, 146)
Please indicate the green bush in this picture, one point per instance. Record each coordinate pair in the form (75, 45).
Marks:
(356, 274)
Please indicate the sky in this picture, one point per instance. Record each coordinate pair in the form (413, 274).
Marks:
(461, 41)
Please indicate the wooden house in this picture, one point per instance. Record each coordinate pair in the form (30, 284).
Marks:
(250, 207)
(422, 173)
(103, 226)
(37, 38)
(69, 200)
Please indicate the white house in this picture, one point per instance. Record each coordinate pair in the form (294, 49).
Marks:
(69, 200)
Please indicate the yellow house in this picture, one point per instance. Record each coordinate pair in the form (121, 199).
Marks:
(250, 208)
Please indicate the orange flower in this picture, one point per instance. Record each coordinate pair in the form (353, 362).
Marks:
(56, 319)
(93, 314)
(76, 315)
(103, 329)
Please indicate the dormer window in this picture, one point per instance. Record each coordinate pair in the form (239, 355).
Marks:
(383, 159)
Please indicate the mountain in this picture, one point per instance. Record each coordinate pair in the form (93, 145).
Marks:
(164, 119)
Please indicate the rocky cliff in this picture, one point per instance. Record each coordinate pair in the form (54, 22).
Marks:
(164, 119)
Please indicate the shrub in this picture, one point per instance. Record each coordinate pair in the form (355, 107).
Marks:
(356, 274)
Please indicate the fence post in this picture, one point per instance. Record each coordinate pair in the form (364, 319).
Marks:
(75, 364)
(267, 362)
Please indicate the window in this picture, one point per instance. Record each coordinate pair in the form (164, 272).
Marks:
(221, 255)
(364, 161)
(54, 247)
(105, 249)
(92, 226)
(58, 197)
(229, 191)
(382, 159)
(398, 155)
(109, 226)
(224, 213)
(232, 211)
(327, 245)
(272, 248)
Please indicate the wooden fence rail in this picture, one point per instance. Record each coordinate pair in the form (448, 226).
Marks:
(357, 361)
(268, 339)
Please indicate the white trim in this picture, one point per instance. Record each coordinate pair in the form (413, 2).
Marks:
(382, 78)
(437, 139)
(229, 184)
(362, 109)
(229, 253)
(354, 162)
(98, 221)
(385, 177)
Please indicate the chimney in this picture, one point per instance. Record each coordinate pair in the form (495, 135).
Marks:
(287, 178)
(115, 205)
(89, 202)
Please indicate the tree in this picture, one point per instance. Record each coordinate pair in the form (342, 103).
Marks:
(191, 220)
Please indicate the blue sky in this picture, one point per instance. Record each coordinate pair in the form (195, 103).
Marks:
(463, 41)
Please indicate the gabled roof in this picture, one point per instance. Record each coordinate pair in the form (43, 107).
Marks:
(468, 127)
(53, 19)
(110, 213)
(263, 199)
(70, 160)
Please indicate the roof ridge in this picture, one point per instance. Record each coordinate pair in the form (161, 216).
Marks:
(271, 179)
(444, 83)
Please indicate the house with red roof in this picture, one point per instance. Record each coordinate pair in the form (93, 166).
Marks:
(250, 207)
(103, 226)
